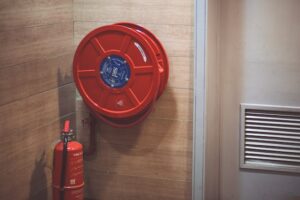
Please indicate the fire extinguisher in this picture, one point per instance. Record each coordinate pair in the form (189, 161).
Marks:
(67, 176)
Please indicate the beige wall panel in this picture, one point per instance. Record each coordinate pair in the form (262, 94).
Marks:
(34, 43)
(146, 150)
(36, 89)
(177, 39)
(174, 104)
(212, 137)
(152, 160)
(28, 127)
(154, 135)
(259, 62)
(34, 111)
(181, 73)
(26, 174)
(142, 162)
(17, 14)
(26, 79)
(30, 113)
(129, 3)
(163, 134)
(157, 151)
(146, 12)
(115, 187)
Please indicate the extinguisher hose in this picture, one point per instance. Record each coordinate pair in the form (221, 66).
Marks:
(63, 169)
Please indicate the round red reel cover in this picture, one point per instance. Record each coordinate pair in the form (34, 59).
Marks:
(116, 71)
(161, 54)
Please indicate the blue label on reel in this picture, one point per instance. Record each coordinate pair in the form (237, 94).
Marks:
(115, 71)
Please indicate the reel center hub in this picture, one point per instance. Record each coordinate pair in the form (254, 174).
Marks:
(115, 71)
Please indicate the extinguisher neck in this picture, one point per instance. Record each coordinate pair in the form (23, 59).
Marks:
(67, 133)
(68, 136)
(65, 139)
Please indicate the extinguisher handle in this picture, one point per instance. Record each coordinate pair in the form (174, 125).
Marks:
(67, 126)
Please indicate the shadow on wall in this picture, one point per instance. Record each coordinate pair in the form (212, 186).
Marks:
(66, 97)
(124, 140)
(119, 149)
(39, 176)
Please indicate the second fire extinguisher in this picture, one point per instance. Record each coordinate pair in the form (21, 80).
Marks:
(67, 177)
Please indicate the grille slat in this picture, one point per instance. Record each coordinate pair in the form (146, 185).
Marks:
(274, 136)
(283, 141)
(284, 128)
(273, 154)
(270, 131)
(273, 145)
(273, 123)
(271, 113)
(270, 138)
(276, 119)
(273, 149)
(273, 159)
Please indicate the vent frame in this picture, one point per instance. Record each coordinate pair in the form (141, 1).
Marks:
(264, 165)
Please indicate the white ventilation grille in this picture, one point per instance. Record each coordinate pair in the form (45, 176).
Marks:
(270, 138)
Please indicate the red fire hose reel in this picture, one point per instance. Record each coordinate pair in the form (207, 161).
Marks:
(120, 70)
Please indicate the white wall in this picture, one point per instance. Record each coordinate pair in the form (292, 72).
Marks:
(212, 81)
(259, 63)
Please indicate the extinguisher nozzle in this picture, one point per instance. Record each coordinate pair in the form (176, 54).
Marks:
(67, 126)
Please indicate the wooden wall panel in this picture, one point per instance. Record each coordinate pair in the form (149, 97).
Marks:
(37, 92)
(148, 161)
(25, 172)
(180, 44)
(149, 12)
(116, 187)
(175, 104)
(152, 160)
(147, 149)
(28, 127)
(15, 14)
(33, 43)
(36, 110)
(181, 72)
(29, 78)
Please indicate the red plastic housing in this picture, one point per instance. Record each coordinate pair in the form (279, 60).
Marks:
(148, 65)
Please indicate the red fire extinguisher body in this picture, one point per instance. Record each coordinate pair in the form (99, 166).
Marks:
(73, 176)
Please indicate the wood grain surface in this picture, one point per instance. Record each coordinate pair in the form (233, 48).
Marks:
(34, 43)
(22, 81)
(152, 160)
(17, 14)
(150, 12)
(36, 90)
